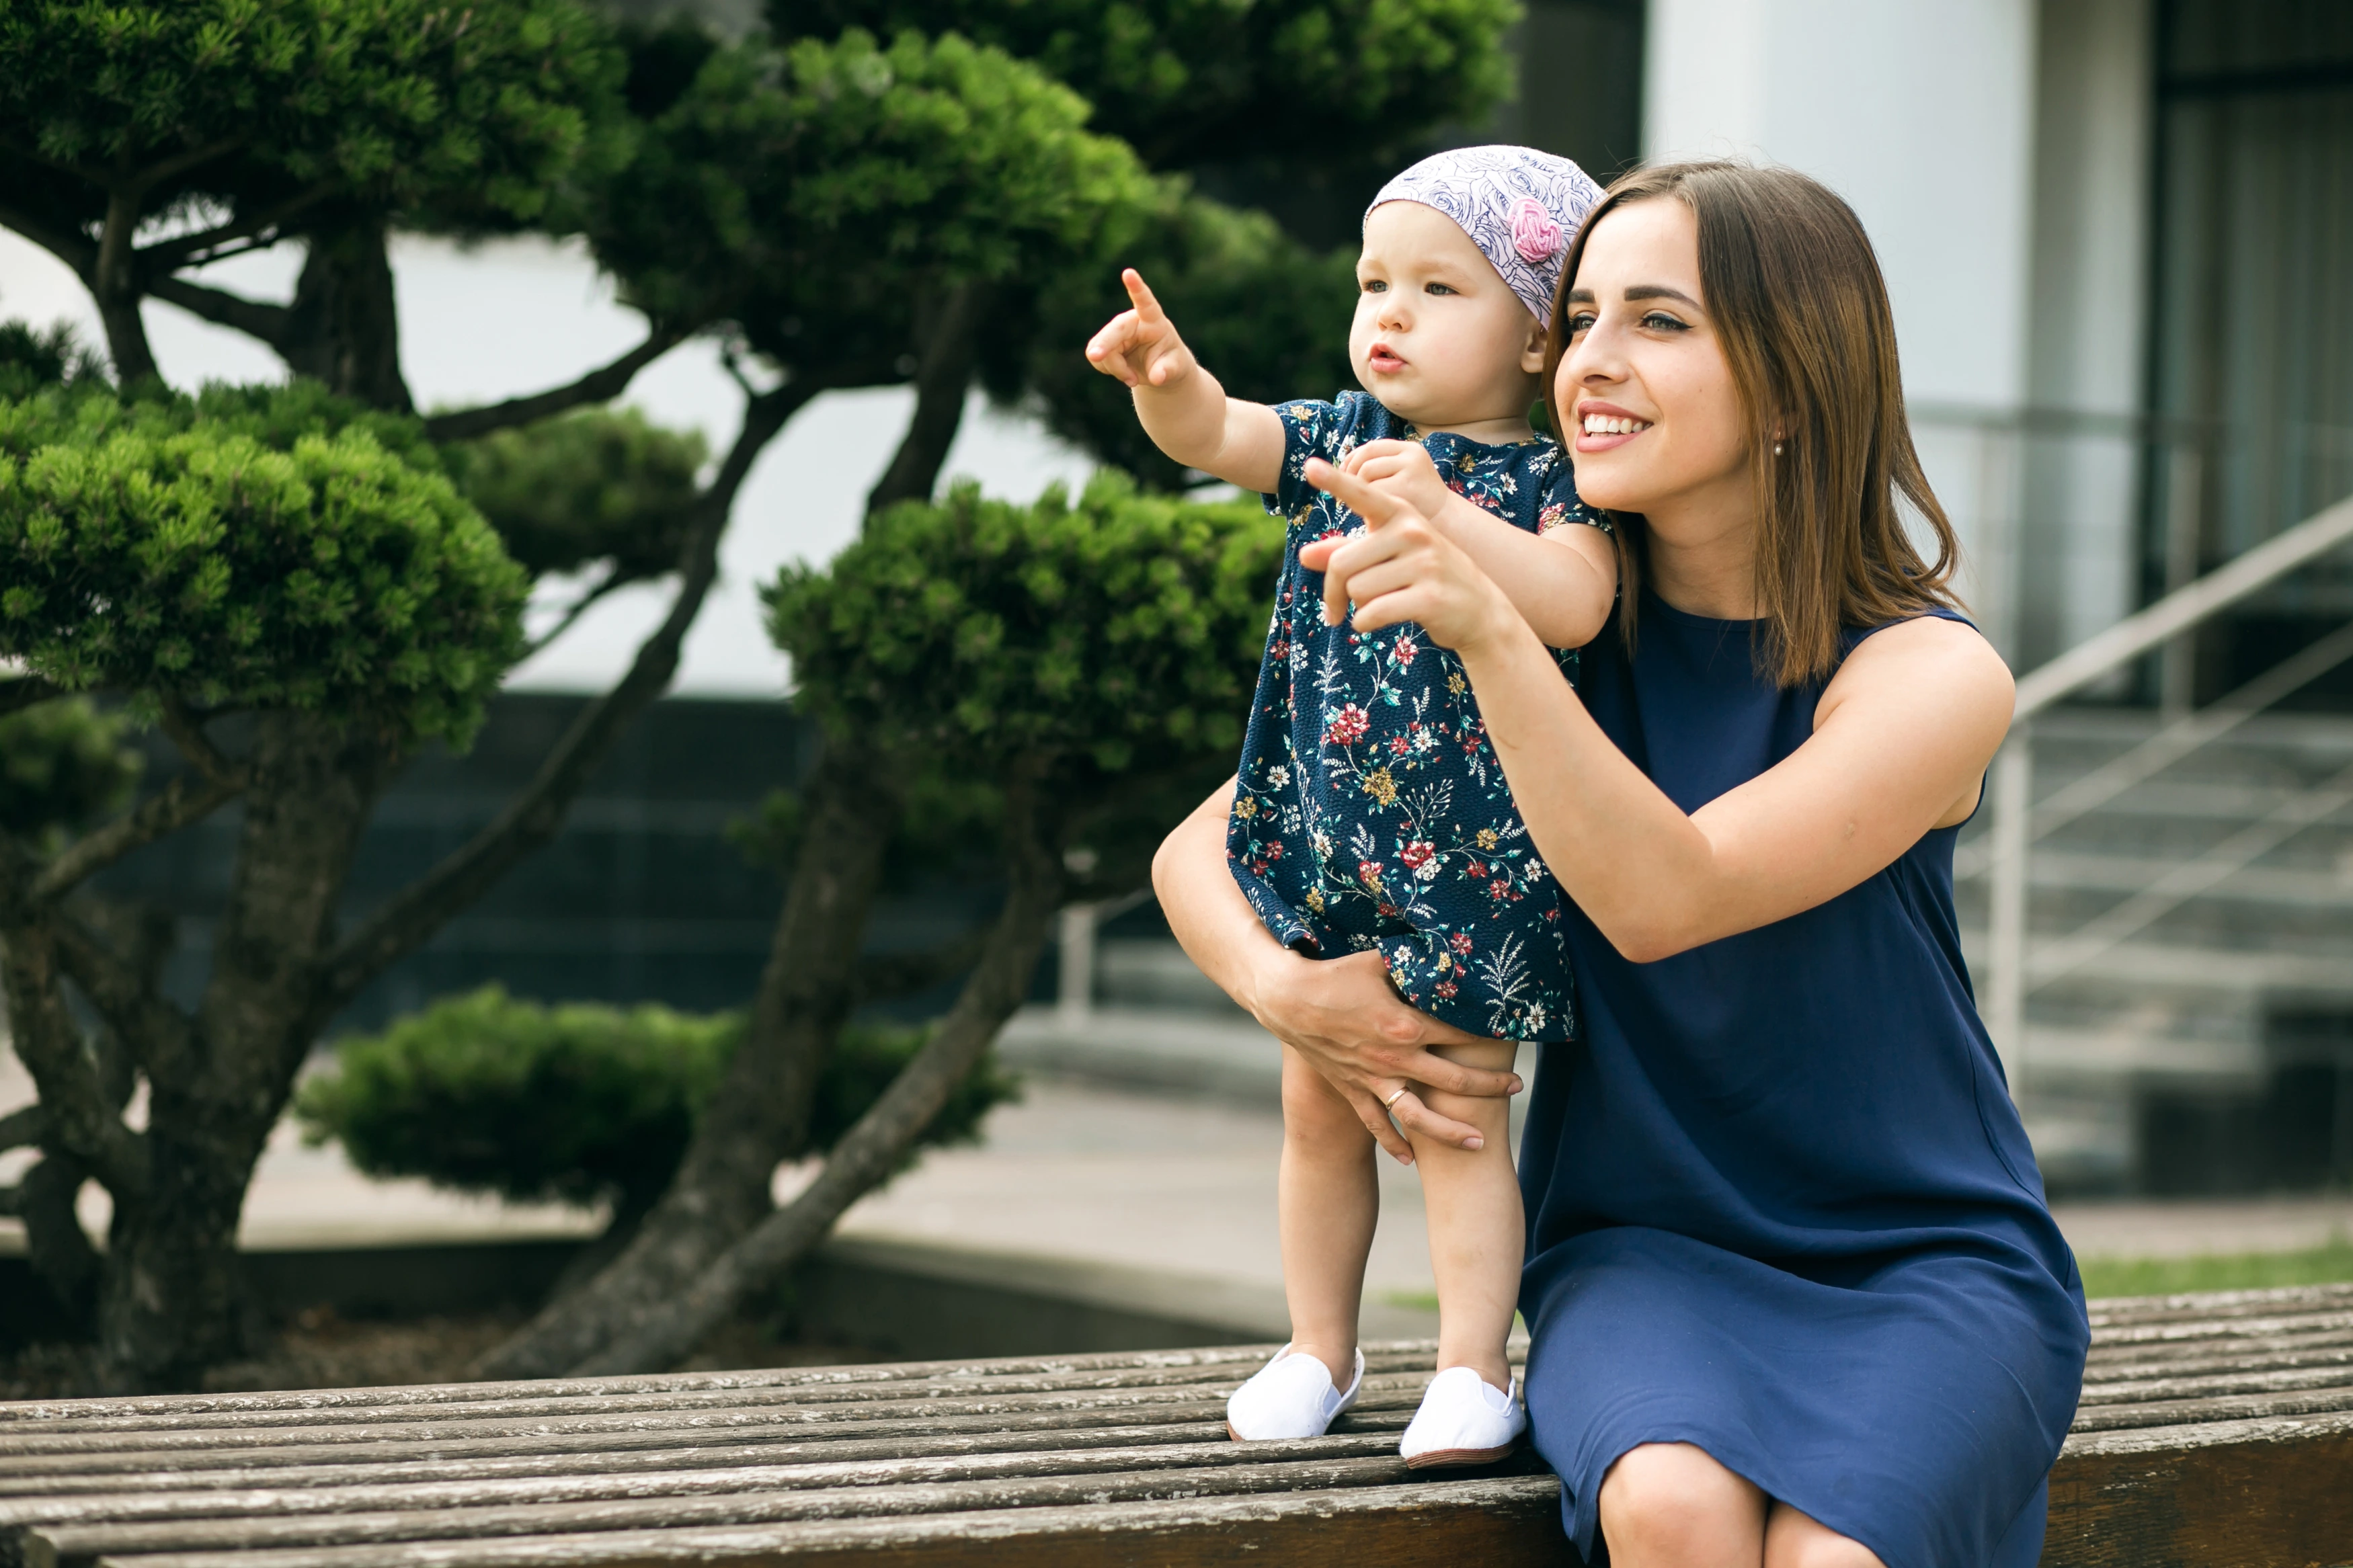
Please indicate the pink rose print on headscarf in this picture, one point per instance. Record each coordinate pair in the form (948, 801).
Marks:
(1534, 234)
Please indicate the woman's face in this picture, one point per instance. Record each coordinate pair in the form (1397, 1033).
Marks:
(1644, 384)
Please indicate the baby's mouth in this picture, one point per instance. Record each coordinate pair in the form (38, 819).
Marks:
(1385, 358)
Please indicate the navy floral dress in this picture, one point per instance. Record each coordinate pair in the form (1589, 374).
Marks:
(1371, 811)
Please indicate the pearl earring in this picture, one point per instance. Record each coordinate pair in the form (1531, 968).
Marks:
(1776, 448)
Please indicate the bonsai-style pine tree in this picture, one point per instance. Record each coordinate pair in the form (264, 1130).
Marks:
(288, 581)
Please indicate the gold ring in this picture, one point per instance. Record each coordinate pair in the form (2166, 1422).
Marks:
(1392, 1099)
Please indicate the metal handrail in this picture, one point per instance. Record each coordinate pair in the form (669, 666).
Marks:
(2011, 830)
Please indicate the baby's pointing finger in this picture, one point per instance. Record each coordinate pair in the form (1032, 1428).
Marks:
(1147, 304)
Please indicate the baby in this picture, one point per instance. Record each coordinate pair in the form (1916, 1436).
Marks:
(1370, 813)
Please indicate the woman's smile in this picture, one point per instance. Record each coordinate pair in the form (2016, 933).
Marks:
(1602, 427)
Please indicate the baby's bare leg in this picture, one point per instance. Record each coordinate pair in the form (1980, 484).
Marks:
(1476, 1235)
(1327, 1201)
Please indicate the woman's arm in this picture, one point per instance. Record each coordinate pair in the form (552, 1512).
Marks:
(1562, 583)
(1902, 736)
(1341, 1013)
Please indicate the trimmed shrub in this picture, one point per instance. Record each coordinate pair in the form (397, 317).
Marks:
(579, 1102)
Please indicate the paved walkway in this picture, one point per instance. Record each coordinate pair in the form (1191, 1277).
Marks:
(1154, 1178)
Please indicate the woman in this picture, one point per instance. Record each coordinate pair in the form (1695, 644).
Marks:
(1794, 1295)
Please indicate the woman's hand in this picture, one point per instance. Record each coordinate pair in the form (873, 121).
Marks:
(1402, 567)
(1404, 469)
(1341, 1013)
(1344, 1017)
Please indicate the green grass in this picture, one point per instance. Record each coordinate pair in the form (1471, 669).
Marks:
(2329, 1265)
(2326, 1265)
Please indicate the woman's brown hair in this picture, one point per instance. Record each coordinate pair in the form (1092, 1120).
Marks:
(1801, 310)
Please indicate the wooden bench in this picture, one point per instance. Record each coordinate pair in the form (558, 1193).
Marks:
(2215, 1430)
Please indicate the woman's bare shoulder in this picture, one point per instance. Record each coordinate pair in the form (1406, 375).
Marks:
(1928, 665)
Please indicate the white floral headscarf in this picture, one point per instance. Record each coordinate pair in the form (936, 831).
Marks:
(1521, 209)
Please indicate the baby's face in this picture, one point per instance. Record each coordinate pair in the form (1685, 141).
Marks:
(1440, 336)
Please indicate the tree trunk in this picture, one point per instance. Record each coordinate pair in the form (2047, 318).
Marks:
(942, 374)
(760, 1116)
(171, 1304)
(344, 327)
(113, 281)
(658, 1333)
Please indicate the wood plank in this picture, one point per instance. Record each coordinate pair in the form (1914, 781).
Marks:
(2127, 1390)
(77, 1546)
(604, 1482)
(2201, 1412)
(757, 1377)
(2245, 1494)
(343, 1467)
(1494, 1523)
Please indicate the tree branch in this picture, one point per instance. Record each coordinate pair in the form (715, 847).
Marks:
(20, 1127)
(578, 607)
(251, 317)
(179, 164)
(186, 730)
(661, 1335)
(598, 387)
(170, 254)
(27, 691)
(417, 911)
(182, 801)
(129, 1002)
(942, 377)
(75, 250)
(76, 1117)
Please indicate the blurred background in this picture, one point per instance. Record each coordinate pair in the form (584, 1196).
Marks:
(2120, 240)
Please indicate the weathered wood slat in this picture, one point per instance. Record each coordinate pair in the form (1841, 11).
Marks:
(2191, 1360)
(1429, 1525)
(343, 1467)
(2143, 1390)
(127, 1507)
(758, 1377)
(2209, 1431)
(72, 1546)
(2241, 1494)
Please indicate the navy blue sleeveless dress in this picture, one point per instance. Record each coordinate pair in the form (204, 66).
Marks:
(1780, 1203)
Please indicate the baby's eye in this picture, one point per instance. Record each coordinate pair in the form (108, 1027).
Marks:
(1374, 286)
(1442, 288)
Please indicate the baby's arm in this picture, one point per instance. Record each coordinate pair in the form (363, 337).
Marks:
(1181, 407)
(1562, 583)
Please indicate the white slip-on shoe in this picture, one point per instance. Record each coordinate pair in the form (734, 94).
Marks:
(1290, 1396)
(1463, 1421)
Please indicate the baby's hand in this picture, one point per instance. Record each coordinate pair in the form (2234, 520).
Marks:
(1140, 347)
(1403, 470)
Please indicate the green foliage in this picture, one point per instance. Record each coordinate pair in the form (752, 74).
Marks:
(1188, 81)
(2217, 1271)
(598, 485)
(1121, 634)
(62, 765)
(34, 357)
(395, 102)
(264, 547)
(576, 1103)
(1269, 317)
(815, 194)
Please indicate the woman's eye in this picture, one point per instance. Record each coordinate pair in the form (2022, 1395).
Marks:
(1660, 322)
(1581, 321)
